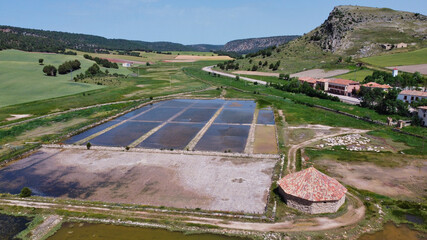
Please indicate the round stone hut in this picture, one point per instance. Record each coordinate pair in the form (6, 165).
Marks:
(312, 192)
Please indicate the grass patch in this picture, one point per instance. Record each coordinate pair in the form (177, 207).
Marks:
(357, 75)
(22, 79)
(398, 59)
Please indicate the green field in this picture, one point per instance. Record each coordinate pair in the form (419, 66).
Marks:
(358, 75)
(22, 79)
(398, 59)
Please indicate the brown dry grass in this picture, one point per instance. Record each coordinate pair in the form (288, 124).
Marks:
(265, 139)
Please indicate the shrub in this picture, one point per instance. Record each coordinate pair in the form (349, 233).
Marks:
(88, 145)
(25, 192)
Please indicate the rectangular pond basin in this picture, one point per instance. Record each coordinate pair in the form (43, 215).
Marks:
(178, 103)
(172, 136)
(220, 138)
(265, 117)
(159, 114)
(134, 113)
(240, 104)
(196, 115)
(124, 134)
(238, 115)
(214, 103)
(90, 132)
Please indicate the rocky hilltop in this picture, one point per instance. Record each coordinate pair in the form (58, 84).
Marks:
(254, 44)
(360, 31)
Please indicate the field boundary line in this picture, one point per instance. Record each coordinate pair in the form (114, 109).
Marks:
(154, 130)
(112, 127)
(192, 144)
(249, 148)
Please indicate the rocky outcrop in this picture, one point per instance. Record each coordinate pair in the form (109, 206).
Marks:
(251, 45)
(356, 30)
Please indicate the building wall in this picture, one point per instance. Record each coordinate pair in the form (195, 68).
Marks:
(309, 206)
(422, 113)
(409, 98)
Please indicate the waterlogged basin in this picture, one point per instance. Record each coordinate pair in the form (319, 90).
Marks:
(12, 225)
(393, 232)
(180, 121)
(72, 231)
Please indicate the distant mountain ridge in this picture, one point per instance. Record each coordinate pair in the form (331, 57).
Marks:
(251, 45)
(53, 41)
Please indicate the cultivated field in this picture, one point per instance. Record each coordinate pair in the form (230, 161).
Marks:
(421, 68)
(399, 59)
(357, 76)
(173, 180)
(22, 79)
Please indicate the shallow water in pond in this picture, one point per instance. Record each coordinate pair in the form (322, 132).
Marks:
(223, 138)
(183, 118)
(265, 117)
(392, 232)
(124, 134)
(12, 225)
(172, 136)
(414, 218)
(71, 231)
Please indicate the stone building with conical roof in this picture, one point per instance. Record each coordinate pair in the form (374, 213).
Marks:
(312, 192)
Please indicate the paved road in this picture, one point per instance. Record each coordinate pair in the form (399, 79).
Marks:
(209, 69)
(346, 99)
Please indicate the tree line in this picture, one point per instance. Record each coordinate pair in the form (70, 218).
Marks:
(64, 68)
(402, 80)
(103, 62)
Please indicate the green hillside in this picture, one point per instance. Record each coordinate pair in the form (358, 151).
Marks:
(22, 79)
(398, 59)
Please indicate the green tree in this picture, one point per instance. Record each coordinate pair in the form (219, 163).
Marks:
(25, 192)
(88, 145)
(93, 70)
(50, 70)
(41, 61)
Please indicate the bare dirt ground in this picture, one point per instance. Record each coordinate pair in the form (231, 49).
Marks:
(199, 58)
(407, 182)
(17, 116)
(174, 180)
(314, 73)
(267, 74)
(320, 133)
(265, 139)
(422, 68)
(320, 73)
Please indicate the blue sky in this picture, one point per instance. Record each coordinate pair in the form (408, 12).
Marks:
(183, 21)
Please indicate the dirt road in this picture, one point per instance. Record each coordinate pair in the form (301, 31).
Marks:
(291, 167)
(354, 214)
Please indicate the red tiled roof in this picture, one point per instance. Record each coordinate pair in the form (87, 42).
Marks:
(413, 93)
(376, 85)
(308, 79)
(312, 185)
(342, 81)
(323, 80)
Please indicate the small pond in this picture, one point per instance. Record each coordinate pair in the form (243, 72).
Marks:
(393, 232)
(71, 231)
(12, 225)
